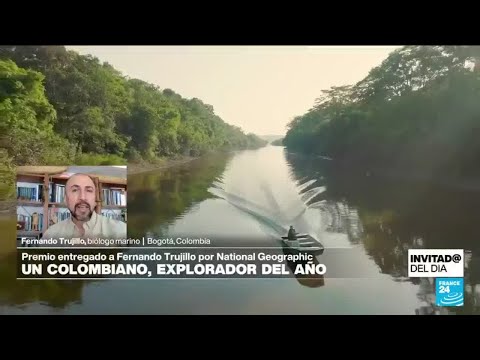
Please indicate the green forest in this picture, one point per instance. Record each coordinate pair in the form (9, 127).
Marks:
(58, 107)
(418, 112)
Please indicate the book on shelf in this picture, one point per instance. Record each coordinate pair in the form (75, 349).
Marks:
(57, 193)
(31, 192)
(113, 196)
(32, 222)
(34, 193)
(116, 215)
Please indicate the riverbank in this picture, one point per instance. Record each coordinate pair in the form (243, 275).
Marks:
(429, 176)
(165, 163)
(425, 177)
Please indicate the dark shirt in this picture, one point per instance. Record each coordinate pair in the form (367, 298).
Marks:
(292, 234)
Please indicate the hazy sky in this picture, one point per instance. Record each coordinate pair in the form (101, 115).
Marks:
(258, 88)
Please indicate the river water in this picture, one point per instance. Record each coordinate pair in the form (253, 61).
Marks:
(366, 225)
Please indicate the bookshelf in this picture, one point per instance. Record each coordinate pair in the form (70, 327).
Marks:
(41, 200)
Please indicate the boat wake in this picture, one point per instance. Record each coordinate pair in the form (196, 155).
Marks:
(274, 218)
(262, 215)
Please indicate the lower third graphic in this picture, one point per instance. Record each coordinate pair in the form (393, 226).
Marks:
(449, 291)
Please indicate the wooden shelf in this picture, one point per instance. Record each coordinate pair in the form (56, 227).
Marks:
(29, 203)
(27, 233)
(57, 204)
(119, 207)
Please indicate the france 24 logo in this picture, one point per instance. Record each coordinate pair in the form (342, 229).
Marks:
(449, 291)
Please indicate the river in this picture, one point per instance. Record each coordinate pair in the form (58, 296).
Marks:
(366, 225)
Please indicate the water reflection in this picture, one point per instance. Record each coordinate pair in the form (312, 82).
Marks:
(53, 293)
(156, 199)
(389, 217)
(56, 294)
